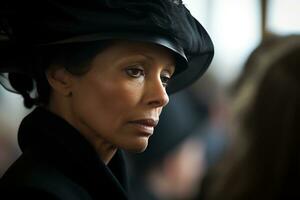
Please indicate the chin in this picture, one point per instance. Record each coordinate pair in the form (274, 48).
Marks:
(137, 146)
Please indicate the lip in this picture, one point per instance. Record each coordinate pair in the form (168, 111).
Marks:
(146, 122)
(145, 126)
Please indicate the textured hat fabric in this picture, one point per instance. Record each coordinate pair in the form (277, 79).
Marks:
(31, 24)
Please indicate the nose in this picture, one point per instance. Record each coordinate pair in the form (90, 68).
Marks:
(156, 95)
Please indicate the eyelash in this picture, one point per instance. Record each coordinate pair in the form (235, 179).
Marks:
(165, 80)
(130, 72)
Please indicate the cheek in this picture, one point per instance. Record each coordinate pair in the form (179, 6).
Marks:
(105, 105)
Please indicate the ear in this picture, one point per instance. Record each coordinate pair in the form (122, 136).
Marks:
(60, 80)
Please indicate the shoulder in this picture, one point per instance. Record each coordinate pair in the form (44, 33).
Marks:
(34, 179)
(8, 193)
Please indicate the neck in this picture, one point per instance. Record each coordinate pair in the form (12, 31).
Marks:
(105, 150)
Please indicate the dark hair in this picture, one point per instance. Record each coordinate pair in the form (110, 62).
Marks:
(273, 131)
(264, 162)
(74, 57)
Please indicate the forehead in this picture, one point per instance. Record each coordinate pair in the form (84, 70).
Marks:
(129, 48)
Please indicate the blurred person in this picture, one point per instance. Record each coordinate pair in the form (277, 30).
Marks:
(264, 160)
(12, 112)
(99, 74)
(215, 132)
(8, 152)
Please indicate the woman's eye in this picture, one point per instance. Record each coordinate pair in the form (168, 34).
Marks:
(135, 72)
(165, 80)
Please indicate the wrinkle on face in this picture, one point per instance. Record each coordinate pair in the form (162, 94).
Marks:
(106, 98)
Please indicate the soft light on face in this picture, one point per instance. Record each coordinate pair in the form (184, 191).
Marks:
(120, 98)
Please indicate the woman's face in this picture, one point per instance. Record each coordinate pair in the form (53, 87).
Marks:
(120, 98)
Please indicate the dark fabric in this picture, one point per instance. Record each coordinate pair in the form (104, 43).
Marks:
(58, 163)
(140, 191)
(28, 25)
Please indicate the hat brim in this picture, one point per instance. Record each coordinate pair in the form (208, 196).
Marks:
(187, 71)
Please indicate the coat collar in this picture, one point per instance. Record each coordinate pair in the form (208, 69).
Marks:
(51, 137)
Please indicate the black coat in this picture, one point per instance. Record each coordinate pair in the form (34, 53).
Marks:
(58, 163)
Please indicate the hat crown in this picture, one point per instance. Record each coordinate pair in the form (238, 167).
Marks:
(58, 20)
(30, 24)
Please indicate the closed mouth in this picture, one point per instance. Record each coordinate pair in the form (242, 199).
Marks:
(146, 122)
(145, 127)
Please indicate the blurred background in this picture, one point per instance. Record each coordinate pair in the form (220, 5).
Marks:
(236, 28)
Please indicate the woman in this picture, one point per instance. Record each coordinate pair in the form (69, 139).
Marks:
(101, 70)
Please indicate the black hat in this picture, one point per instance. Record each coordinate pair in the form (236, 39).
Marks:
(34, 24)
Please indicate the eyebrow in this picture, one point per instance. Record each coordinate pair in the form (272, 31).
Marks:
(170, 67)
